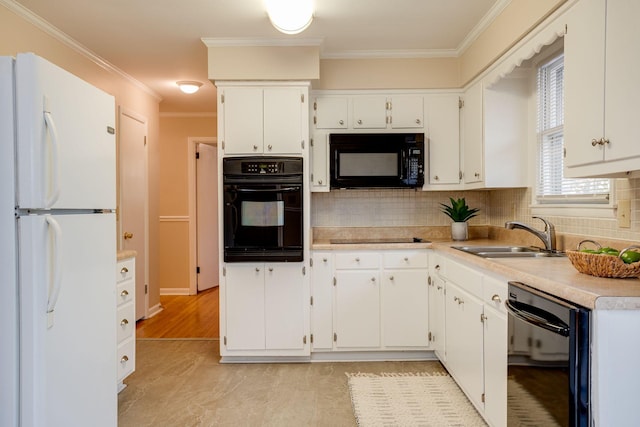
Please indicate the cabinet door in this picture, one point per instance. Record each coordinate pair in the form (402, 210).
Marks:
(622, 110)
(284, 307)
(322, 292)
(405, 304)
(472, 134)
(444, 139)
(436, 316)
(464, 345)
(320, 162)
(495, 366)
(242, 118)
(407, 112)
(244, 306)
(369, 112)
(584, 69)
(331, 113)
(357, 309)
(283, 120)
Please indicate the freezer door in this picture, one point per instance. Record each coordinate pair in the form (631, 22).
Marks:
(67, 267)
(66, 139)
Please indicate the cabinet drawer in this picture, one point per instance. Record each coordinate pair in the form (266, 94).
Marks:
(125, 292)
(126, 358)
(405, 259)
(495, 293)
(357, 260)
(125, 269)
(463, 276)
(126, 322)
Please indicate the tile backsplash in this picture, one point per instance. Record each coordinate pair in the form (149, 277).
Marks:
(392, 208)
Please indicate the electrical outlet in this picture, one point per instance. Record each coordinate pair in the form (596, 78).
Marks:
(624, 213)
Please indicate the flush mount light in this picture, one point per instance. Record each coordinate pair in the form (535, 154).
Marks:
(290, 16)
(189, 86)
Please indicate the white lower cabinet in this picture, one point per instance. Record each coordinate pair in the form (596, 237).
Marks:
(370, 300)
(475, 338)
(436, 308)
(126, 329)
(264, 309)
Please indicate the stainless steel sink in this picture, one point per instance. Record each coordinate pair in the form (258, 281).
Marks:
(508, 251)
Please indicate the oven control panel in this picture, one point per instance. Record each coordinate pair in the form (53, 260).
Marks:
(261, 167)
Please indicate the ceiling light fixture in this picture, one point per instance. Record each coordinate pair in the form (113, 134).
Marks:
(189, 86)
(290, 16)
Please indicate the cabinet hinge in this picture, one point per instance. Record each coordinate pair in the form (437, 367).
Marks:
(311, 338)
(429, 281)
(146, 289)
(145, 140)
(460, 175)
(302, 144)
(430, 337)
(197, 155)
(315, 120)
(566, 29)
(511, 339)
(304, 339)
(302, 98)
(224, 271)
(311, 300)
(304, 270)
(310, 142)
(335, 281)
(311, 176)
(223, 145)
(482, 318)
(198, 270)
(389, 120)
(564, 153)
(222, 98)
(225, 340)
(482, 397)
(388, 105)
(335, 337)
(311, 259)
(460, 103)
(315, 105)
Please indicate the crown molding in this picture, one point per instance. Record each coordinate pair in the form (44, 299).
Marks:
(384, 54)
(482, 25)
(59, 35)
(239, 42)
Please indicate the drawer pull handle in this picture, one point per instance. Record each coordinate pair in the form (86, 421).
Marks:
(124, 293)
(391, 278)
(124, 359)
(124, 270)
(406, 259)
(124, 322)
(496, 298)
(357, 259)
(373, 280)
(324, 260)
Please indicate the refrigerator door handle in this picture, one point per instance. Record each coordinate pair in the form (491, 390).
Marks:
(55, 169)
(56, 283)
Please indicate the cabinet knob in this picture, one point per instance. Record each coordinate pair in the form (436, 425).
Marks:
(496, 298)
(124, 359)
(594, 142)
(357, 259)
(359, 121)
(255, 148)
(439, 287)
(324, 260)
(124, 270)
(124, 293)
(418, 121)
(391, 278)
(437, 178)
(341, 122)
(373, 280)
(605, 141)
(477, 175)
(270, 269)
(128, 235)
(406, 259)
(124, 322)
(269, 147)
(438, 267)
(257, 270)
(319, 182)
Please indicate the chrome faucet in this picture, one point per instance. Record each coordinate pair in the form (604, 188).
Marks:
(548, 236)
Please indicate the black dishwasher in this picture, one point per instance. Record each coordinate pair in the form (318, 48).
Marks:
(548, 362)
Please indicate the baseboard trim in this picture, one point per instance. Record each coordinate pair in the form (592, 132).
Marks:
(174, 291)
(154, 310)
(372, 356)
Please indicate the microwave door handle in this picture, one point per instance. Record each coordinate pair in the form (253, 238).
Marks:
(267, 190)
(537, 317)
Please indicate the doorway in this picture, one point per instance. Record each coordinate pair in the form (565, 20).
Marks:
(203, 214)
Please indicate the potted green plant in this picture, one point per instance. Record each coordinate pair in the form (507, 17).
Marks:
(460, 213)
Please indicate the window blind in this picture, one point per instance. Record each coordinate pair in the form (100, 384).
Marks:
(552, 187)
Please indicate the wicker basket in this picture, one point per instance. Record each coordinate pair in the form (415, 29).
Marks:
(602, 265)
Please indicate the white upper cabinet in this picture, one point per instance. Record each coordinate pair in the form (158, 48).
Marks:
(331, 112)
(263, 119)
(601, 109)
(443, 133)
(406, 112)
(472, 134)
(369, 112)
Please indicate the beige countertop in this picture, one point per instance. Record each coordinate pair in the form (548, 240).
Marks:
(554, 275)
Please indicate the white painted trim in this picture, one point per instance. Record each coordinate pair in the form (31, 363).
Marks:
(156, 309)
(188, 115)
(384, 54)
(57, 34)
(482, 25)
(239, 41)
(173, 218)
(192, 142)
(174, 291)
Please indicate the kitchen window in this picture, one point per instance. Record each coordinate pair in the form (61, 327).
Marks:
(552, 188)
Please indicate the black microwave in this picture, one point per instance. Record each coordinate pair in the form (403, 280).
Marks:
(368, 160)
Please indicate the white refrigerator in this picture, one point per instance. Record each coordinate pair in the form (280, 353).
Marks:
(57, 248)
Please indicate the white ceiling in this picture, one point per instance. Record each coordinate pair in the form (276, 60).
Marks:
(158, 42)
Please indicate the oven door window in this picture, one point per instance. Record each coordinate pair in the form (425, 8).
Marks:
(263, 222)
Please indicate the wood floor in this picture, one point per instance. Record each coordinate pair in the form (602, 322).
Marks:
(194, 316)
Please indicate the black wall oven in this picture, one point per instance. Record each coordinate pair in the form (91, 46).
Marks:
(548, 362)
(263, 209)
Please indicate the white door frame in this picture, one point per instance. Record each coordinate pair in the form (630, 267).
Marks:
(193, 238)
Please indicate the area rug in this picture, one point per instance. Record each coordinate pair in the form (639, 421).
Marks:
(410, 399)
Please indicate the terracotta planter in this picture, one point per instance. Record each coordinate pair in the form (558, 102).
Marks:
(459, 230)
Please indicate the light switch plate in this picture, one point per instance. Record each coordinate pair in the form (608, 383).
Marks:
(624, 213)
